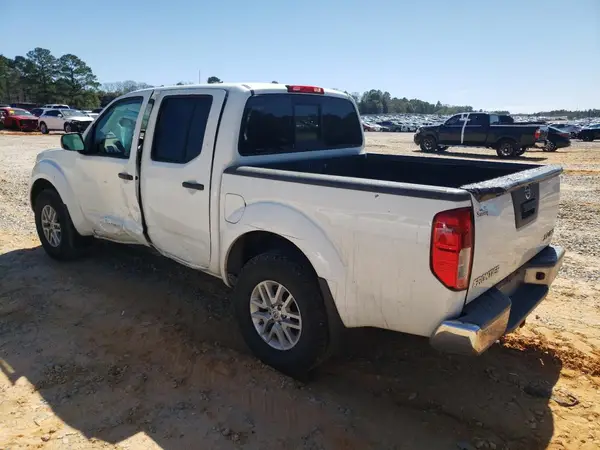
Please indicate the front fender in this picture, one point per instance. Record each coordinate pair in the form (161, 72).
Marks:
(50, 171)
(295, 226)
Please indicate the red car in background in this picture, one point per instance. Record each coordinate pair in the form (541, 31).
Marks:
(18, 119)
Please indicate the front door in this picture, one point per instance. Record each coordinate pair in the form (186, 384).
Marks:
(107, 178)
(176, 172)
(51, 119)
(450, 131)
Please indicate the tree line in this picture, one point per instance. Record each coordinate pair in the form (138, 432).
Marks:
(39, 77)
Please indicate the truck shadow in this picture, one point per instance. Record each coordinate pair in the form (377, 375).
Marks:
(492, 156)
(128, 345)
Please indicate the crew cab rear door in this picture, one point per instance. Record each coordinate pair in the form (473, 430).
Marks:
(475, 130)
(514, 219)
(175, 172)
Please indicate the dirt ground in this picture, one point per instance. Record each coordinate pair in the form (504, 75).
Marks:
(128, 350)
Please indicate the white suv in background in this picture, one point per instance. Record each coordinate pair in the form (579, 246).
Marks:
(56, 106)
(67, 120)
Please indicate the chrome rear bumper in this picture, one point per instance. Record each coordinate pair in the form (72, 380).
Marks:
(495, 313)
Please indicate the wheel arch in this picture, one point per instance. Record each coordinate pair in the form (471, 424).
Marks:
(254, 243)
(269, 226)
(502, 139)
(48, 175)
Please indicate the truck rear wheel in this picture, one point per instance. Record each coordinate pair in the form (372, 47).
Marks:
(428, 144)
(521, 151)
(550, 146)
(506, 149)
(281, 313)
(55, 229)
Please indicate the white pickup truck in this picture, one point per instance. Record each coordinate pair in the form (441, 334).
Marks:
(268, 187)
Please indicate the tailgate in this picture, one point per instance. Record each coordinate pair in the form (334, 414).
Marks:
(514, 220)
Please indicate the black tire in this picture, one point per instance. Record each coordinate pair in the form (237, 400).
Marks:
(70, 244)
(68, 128)
(521, 151)
(313, 343)
(506, 148)
(428, 143)
(44, 128)
(549, 147)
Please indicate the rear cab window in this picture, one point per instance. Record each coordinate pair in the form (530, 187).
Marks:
(287, 123)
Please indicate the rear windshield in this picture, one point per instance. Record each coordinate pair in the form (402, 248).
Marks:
(286, 123)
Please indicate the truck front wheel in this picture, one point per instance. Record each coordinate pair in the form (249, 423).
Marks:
(54, 227)
(506, 149)
(428, 144)
(281, 313)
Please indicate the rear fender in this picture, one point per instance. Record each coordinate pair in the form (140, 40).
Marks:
(296, 227)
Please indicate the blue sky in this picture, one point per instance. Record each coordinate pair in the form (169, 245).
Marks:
(520, 55)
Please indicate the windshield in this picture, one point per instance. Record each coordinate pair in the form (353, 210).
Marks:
(20, 112)
(71, 112)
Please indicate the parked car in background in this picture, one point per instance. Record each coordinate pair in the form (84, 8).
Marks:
(67, 120)
(568, 128)
(37, 112)
(589, 133)
(18, 119)
(389, 125)
(371, 127)
(89, 112)
(56, 106)
(556, 139)
(24, 105)
(479, 130)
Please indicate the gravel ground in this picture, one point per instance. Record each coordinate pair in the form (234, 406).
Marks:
(129, 350)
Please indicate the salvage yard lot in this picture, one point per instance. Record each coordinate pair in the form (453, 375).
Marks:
(125, 349)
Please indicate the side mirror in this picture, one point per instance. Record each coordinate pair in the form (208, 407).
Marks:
(72, 141)
(60, 115)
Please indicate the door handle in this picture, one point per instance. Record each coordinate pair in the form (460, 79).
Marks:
(125, 176)
(193, 185)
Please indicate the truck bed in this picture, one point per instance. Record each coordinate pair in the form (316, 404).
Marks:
(377, 210)
(472, 175)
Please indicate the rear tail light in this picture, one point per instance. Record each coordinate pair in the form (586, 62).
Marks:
(452, 247)
(537, 134)
(305, 89)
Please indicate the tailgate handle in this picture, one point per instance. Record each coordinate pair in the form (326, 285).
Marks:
(528, 208)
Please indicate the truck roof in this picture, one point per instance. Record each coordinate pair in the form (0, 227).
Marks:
(252, 87)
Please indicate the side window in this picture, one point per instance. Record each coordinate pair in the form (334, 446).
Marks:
(494, 119)
(113, 133)
(477, 119)
(454, 120)
(180, 127)
(53, 113)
